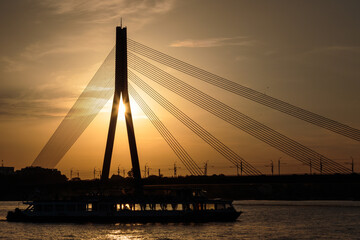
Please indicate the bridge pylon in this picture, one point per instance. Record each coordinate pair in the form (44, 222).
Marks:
(121, 88)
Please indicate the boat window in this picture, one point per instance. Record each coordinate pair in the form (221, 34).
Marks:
(210, 206)
(89, 207)
(191, 206)
(157, 207)
(180, 207)
(124, 206)
(198, 206)
(137, 207)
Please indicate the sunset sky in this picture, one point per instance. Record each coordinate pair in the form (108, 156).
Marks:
(306, 53)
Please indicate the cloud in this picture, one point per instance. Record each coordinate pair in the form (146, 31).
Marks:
(31, 108)
(46, 99)
(35, 102)
(11, 65)
(63, 45)
(73, 36)
(214, 42)
(95, 11)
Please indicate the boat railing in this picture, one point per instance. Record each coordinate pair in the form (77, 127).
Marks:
(112, 206)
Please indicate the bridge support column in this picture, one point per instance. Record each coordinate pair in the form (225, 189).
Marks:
(121, 87)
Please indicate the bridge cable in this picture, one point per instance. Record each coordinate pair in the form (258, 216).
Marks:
(93, 98)
(193, 126)
(319, 161)
(243, 91)
(226, 87)
(294, 112)
(182, 154)
(234, 117)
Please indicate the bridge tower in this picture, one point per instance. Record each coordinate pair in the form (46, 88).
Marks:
(121, 88)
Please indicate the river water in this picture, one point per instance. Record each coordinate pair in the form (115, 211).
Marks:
(260, 220)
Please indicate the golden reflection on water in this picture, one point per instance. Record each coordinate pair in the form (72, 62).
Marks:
(260, 220)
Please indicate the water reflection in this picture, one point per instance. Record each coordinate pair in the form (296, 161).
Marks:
(260, 220)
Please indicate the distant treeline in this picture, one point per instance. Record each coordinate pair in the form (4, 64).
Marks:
(35, 182)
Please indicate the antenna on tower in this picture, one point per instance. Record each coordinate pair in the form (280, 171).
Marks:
(121, 22)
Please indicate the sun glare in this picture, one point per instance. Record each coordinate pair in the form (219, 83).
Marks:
(136, 112)
(122, 109)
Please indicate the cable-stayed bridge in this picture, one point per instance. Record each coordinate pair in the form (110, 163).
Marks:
(134, 63)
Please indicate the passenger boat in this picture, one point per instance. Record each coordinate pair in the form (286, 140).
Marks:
(127, 209)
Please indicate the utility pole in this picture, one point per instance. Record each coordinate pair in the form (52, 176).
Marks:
(205, 168)
(145, 170)
(159, 173)
(279, 165)
(321, 166)
(241, 168)
(271, 167)
(118, 171)
(351, 163)
(175, 169)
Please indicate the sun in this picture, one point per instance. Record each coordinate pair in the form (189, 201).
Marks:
(122, 109)
(136, 111)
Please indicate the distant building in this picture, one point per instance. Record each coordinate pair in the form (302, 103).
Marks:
(6, 170)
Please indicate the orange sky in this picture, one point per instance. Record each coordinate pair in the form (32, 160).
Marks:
(305, 53)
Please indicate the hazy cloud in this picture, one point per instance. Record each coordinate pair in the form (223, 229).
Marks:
(94, 11)
(11, 65)
(214, 42)
(33, 108)
(40, 101)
